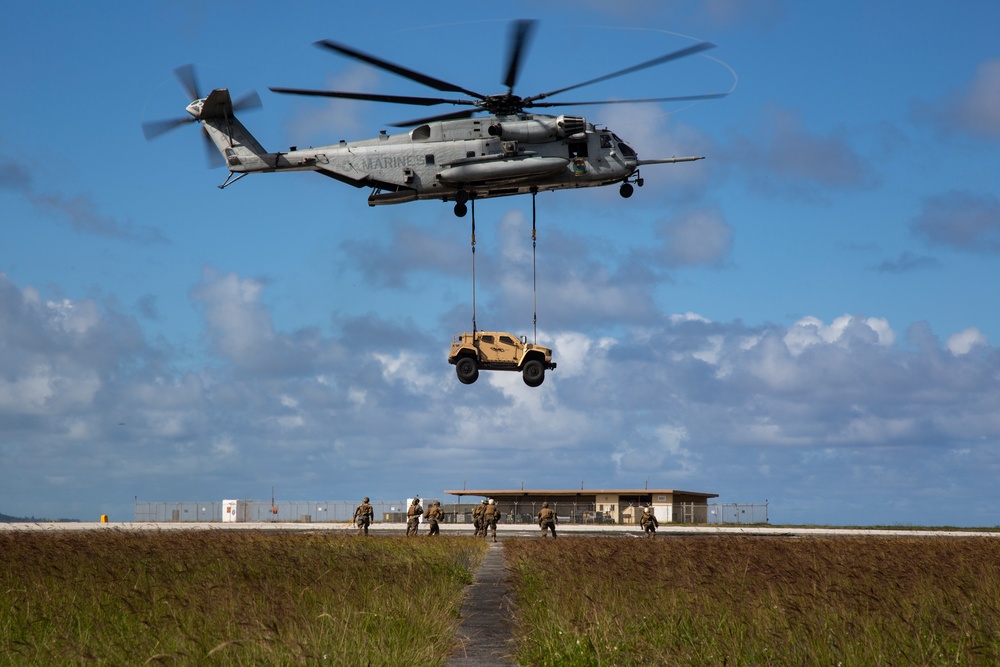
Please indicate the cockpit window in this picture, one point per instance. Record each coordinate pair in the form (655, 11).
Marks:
(605, 141)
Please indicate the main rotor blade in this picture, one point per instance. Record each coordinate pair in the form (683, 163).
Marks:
(675, 55)
(156, 128)
(679, 98)
(455, 115)
(519, 36)
(437, 84)
(373, 97)
(189, 81)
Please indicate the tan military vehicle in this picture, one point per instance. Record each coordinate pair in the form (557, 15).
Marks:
(498, 351)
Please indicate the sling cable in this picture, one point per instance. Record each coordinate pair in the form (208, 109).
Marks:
(534, 270)
(473, 267)
(534, 265)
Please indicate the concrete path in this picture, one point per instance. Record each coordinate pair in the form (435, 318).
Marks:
(485, 635)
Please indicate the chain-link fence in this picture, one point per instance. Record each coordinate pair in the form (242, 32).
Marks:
(520, 512)
(735, 513)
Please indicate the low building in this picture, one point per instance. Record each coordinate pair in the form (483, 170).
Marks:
(596, 505)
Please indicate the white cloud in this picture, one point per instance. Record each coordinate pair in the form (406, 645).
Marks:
(809, 331)
(682, 399)
(966, 340)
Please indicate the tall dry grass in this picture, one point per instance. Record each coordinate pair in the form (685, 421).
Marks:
(230, 598)
(757, 601)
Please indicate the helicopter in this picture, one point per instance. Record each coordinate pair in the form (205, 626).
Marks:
(452, 157)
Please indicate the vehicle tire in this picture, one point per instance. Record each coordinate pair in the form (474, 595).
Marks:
(626, 190)
(461, 210)
(467, 370)
(533, 373)
(462, 196)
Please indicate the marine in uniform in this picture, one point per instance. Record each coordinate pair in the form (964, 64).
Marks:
(648, 522)
(547, 519)
(435, 514)
(491, 514)
(477, 518)
(413, 513)
(363, 516)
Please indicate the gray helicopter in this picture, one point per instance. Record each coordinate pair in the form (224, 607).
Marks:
(452, 157)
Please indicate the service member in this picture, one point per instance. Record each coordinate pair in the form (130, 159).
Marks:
(435, 514)
(547, 519)
(491, 514)
(413, 513)
(648, 522)
(363, 516)
(477, 518)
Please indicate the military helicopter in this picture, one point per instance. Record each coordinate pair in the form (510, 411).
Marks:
(452, 157)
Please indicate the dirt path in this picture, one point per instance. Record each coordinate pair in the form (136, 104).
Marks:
(485, 635)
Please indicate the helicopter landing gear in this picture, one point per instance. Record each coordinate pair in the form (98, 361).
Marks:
(461, 198)
(626, 189)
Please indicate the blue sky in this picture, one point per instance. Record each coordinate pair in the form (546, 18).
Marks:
(807, 316)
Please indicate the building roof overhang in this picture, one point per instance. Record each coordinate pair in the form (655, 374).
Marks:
(571, 493)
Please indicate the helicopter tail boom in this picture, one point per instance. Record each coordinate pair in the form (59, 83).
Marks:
(241, 151)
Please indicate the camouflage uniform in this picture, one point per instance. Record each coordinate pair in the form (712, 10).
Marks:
(491, 513)
(413, 517)
(648, 522)
(363, 516)
(477, 518)
(435, 514)
(547, 520)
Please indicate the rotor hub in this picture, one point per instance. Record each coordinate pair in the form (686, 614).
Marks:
(507, 104)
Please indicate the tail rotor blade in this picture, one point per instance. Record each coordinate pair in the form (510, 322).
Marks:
(247, 101)
(189, 81)
(212, 155)
(157, 128)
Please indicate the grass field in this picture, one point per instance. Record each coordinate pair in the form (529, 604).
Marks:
(757, 601)
(230, 598)
(252, 597)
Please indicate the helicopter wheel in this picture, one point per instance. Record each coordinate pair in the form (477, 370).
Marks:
(626, 190)
(461, 196)
(461, 210)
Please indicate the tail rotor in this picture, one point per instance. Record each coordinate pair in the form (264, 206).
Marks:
(187, 77)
